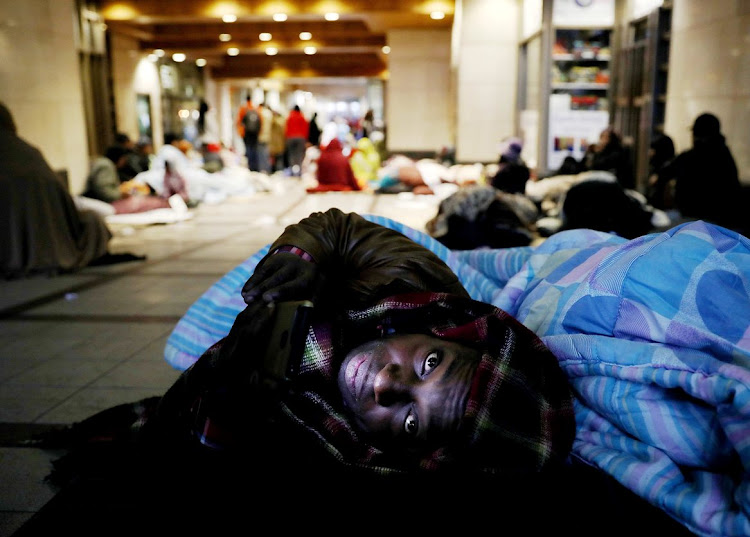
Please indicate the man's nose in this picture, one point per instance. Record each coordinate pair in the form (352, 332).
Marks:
(390, 387)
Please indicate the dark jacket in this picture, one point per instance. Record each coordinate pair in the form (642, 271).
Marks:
(707, 185)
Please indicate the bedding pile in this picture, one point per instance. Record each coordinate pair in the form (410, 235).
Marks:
(653, 334)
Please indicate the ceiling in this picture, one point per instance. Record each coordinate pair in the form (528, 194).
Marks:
(351, 46)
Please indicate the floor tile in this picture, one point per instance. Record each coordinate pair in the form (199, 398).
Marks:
(63, 371)
(11, 521)
(22, 472)
(21, 403)
(16, 292)
(87, 402)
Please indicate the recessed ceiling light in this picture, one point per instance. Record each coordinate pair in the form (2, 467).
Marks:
(272, 51)
(386, 49)
(265, 36)
(200, 62)
(332, 16)
(279, 17)
(159, 52)
(233, 51)
(229, 17)
(310, 50)
(225, 37)
(178, 57)
(437, 15)
(305, 36)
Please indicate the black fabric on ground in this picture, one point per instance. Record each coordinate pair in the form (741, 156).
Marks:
(111, 259)
(110, 487)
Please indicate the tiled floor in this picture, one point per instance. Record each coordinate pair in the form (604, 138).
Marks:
(76, 344)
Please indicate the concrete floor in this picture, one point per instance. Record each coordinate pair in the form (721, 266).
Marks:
(76, 344)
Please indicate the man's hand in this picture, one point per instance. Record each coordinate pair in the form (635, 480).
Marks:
(283, 276)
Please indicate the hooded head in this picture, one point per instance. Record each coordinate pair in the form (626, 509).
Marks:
(334, 145)
(115, 153)
(706, 126)
(510, 150)
(517, 415)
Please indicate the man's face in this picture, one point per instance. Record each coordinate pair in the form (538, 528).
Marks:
(408, 390)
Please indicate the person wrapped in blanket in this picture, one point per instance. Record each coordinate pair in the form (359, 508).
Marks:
(401, 371)
(407, 389)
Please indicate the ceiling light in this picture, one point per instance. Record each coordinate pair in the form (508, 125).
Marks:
(437, 15)
(200, 62)
(272, 51)
(310, 50)
(225, 37)
(386, 49)
(233, 51)
(332, 16)
(178, 57)
(159, 52)
(305, 36)
(265, 36)
(229, 17)
(279, 17)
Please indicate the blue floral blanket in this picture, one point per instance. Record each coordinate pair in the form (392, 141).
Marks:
(653, 333)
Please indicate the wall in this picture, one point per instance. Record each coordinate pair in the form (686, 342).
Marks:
(133, 73)
(709, 71)
(40, 82)
(418, 108)
(487, 75)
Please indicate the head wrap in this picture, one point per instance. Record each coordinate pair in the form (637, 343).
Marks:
(519, 413)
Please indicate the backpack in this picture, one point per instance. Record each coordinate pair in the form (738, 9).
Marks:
(251, 122)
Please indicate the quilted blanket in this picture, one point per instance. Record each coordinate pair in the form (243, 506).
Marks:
(653, 333)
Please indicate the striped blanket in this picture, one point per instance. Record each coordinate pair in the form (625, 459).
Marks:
(653, 333)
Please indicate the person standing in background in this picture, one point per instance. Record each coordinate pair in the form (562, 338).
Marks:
(202, 111)
(296, 133)
(366, 125)
(264, 138)
(277, 145)
(660, 154)
(313, 135)
(248, 126)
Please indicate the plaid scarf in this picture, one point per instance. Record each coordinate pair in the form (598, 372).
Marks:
(519, 414)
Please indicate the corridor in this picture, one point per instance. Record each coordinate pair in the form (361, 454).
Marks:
(76, 344)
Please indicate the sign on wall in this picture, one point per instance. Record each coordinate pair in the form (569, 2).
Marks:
(571, 132)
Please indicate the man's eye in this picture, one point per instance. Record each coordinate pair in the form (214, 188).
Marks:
(431, 362)
(411, 424)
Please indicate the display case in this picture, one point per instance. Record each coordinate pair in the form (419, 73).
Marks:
(579, 91)
(580, 67)
(577, 60)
